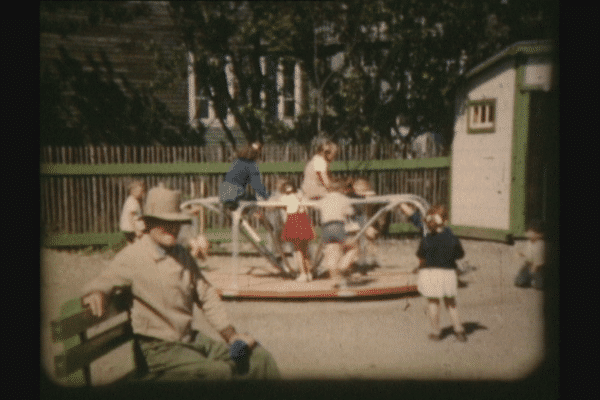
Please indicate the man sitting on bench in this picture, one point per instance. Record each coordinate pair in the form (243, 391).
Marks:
(166, 282)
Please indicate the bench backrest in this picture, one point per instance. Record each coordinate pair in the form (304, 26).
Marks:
(96, 350)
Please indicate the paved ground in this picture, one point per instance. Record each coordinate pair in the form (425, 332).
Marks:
(376, 339)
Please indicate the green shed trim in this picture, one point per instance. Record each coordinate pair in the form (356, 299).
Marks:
(449, 205)
(532, 47)
(519, 153)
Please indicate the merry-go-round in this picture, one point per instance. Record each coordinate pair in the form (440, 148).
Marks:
(277, 281)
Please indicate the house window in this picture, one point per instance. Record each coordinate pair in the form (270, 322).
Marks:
(210, 111)
(203, 105)
(482, 116)
(269, 98)
(287, 90)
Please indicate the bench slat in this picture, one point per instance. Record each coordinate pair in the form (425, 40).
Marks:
(76, 319)
(84, 353)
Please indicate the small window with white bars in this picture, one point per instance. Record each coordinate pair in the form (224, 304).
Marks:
(482, 116)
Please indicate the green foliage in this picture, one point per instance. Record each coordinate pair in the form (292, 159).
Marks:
(56, 16)
(273, 130)
(78, 107)
(403, 60)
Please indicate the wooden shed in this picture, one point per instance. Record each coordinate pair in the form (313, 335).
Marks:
(506, 122)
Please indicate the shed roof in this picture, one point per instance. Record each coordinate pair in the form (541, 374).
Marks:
(530, 47)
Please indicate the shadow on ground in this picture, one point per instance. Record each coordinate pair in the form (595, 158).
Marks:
(470, 327)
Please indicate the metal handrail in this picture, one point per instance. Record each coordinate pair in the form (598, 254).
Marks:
(391, 201)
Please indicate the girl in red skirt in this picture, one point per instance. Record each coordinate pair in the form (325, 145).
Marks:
(298, 229)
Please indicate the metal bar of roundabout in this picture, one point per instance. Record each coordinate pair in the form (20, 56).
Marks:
(279, 283)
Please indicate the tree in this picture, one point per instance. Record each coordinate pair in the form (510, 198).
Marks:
(369, 66)
(400, 58)
(87, 101)
(235, 35)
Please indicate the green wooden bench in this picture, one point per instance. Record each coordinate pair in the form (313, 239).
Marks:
(97, 351)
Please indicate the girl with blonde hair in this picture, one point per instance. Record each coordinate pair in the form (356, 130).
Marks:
(317, 176)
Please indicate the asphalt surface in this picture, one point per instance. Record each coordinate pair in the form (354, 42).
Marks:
(381, 339)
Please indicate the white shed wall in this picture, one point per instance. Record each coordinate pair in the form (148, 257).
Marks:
(481, 162)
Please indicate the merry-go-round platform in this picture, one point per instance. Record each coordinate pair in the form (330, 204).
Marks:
(276, 282)
(260, 285)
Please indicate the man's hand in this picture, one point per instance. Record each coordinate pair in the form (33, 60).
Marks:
(231, 335)
(199, 247)
(249, 340)
(95, 301)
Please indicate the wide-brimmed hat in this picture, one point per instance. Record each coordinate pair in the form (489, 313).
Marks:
(163, 204)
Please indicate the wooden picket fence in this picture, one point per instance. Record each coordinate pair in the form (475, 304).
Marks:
(84, 188)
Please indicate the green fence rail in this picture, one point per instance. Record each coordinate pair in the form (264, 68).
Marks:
(81, 203)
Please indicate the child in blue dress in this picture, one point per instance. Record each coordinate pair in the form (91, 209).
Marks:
(243, 172)
(438, 251)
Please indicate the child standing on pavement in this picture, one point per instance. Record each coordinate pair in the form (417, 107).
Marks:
(298, 229)
(340, 251)
(438, 251)
(131, 223)
(535, 257)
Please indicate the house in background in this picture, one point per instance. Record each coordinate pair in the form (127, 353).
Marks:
(124, 46)
(501, 154)
(284, 100)
(127, 47)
